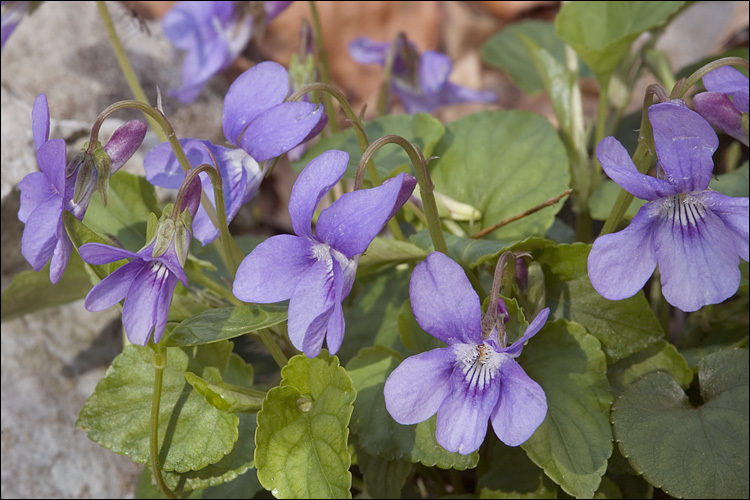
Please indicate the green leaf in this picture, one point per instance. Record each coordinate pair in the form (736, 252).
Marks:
(301, 442)
(602, 32)
(226, 397)
(623, 327)
(32, 291)
(512, 475)
(690, 452)
(603, 199)
(238, 462)
(130, 201)
(575, 440)
(661, 356)
(224, 323)
(733, 183)
(421, 128)
(371, 312)
(466, 251)
(383, 478)
(193, 433)
(502, 163)
(383, 253)
(504, 50)
(377, 432)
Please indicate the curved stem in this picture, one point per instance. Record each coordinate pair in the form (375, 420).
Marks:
(160, 363)
(127, 69)
(484, 232)
(423, 178)
(276, 352)
(681, 88)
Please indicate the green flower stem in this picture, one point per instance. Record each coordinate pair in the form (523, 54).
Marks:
(384, 94)
(682, 86)
(324, 67)
(273, 348)
(160, 363)
(423, 178)
(359, 128)
(642, 158)
(127, 69)
(231, 251)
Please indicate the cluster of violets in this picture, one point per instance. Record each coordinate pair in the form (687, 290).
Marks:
(696, 236)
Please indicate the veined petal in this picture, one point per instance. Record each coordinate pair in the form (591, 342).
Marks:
(697, 257)
(515, 349)
(418, 386)
(51, 159)
(261, 87)
(280, 128)
(733, 212)
(351, 222)
(522, 405)
(161, 311)
(124, 142)
(444, 303)
(620, 263)
(40, 121)
(139, 309)
(317, 178)
(721, 113)
(463, 417)
(61, 254)
(685, 144)
(35, 190)
(98, 254)
(336, 324)
(40, 233)
(114, 287)
(620, 168)
(271, 272)
(310, 308)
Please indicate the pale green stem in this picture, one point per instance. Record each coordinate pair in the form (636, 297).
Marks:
(423, 178)
(125, 66)
(160, 363)
(325, 72)
(276, 352)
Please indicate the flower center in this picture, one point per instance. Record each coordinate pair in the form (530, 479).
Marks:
(685, 209)
(158, 269)
(478, 363)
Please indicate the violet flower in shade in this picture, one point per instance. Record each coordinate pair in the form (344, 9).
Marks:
(259, 121)
(146, 283)
(696, 236)
(213, 34)
(716, 106)
(12, 15)
(46, 194)
(471, 381)
(419, 81)
(315, 270)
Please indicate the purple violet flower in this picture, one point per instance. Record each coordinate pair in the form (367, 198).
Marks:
(12, 15)
(717, 107)
(46, 194)
(696, 236)
(419, 81)
(471, 381)
(213, 34)
(146, 283)
(259, 121)
(315, 271)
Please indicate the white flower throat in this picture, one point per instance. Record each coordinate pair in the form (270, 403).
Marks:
(685, 209)
(478, 363)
